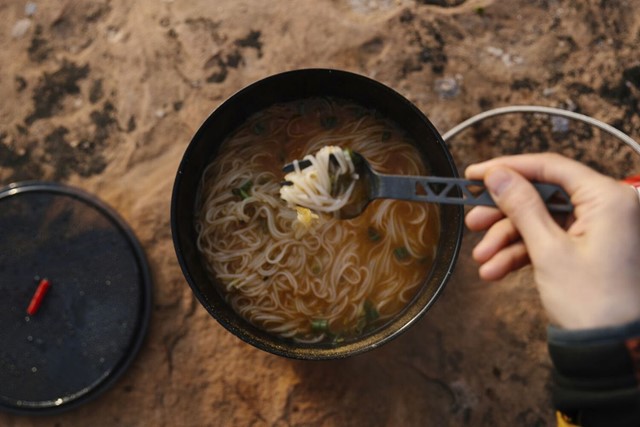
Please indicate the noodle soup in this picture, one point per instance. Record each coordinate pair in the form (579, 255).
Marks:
(312, 277)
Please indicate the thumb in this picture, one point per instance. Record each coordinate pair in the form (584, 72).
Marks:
(516, 197)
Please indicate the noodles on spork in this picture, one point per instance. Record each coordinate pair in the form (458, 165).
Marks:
(305, 275)
(313, 187)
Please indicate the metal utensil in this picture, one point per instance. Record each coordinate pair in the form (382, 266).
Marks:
(372, 185)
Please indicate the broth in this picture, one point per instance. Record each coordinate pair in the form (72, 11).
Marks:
(327, 279)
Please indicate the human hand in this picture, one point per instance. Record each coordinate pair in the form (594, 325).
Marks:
(588, 273)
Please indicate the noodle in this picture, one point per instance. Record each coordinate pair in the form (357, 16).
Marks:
(321, 279)
(313, 186)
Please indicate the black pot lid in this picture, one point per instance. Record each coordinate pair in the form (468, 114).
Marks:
(93, 318)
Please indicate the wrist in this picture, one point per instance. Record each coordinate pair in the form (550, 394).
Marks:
(591, 320)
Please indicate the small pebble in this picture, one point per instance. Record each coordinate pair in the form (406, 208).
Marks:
(559, 124)
(507, 58)
(30, 8)
(569, 105)
(495, 51)
(517, 59)
(114, 35)
(447, 87)
(20, 28)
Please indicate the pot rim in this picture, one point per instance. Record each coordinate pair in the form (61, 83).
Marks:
(276, 345)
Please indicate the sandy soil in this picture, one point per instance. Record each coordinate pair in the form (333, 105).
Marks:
(105, 95)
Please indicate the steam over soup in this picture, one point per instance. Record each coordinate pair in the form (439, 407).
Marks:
(305, 275)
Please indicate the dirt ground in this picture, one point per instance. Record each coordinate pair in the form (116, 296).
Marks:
(105, 95)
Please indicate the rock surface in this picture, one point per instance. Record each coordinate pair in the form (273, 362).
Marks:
(106, 94)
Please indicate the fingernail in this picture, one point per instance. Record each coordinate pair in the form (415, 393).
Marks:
(497, 181)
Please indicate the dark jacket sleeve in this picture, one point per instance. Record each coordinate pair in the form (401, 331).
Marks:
(597, 374)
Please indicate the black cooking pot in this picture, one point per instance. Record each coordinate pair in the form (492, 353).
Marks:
(290, 86)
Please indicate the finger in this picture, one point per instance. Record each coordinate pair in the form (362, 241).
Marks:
(499, 236)
(544, 167)
(509, 259)
(521, 203)
(482, 217)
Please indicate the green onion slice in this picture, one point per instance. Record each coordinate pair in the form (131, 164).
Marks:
(373, 234)
(401, 253)
(243, 190)
(329, 122)
(370, 311)
(259, 128)
(319, 325)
